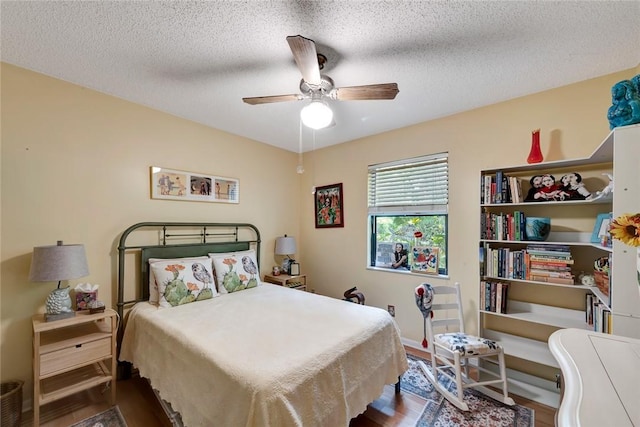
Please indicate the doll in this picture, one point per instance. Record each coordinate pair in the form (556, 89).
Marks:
(549, 191)
(572, 184)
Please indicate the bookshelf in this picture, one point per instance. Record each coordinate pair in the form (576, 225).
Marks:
(554, 298)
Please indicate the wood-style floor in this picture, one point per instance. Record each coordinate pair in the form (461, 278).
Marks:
(141, 409)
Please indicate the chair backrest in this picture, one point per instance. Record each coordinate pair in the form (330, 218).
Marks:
(447, 311)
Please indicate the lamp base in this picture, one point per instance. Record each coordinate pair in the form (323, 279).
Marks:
(59, 316)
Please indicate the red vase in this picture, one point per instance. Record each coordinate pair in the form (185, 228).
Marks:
(535, 155)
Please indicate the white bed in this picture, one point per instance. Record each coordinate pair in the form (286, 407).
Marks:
(265, 356)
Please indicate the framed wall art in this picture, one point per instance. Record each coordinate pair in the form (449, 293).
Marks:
(328, 206)
(171, 184)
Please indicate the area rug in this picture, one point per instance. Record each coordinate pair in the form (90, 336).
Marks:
(438, 412)
(112, 417)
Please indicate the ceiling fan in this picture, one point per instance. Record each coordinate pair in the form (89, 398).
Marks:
(317, 87)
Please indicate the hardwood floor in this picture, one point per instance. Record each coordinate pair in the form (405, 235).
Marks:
(141, 409)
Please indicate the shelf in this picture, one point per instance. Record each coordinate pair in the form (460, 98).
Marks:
(523, 348)
(600, 201)
(544, 315)
(602, 154)
(533, 282)
(569, 238)
(66, 384)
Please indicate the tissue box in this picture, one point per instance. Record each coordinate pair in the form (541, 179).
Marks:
(85, 293)
(84, 298)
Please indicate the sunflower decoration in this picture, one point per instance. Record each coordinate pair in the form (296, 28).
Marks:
(626, 228)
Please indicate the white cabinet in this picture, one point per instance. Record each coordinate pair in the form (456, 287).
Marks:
(536, 306)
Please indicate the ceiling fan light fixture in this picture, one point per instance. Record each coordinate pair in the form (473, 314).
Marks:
(316, 115)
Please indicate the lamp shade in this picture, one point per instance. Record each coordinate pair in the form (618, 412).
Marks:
(285, 245)
(58, 262)
(316, 115)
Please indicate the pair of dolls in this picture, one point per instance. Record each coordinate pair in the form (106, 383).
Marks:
(544, 188)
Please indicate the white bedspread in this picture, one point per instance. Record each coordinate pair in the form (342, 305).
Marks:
(266, 356)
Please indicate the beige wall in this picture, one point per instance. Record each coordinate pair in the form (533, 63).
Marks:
(75, 167)
(573, 122)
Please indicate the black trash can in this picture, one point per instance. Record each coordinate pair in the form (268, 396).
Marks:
(11, 403)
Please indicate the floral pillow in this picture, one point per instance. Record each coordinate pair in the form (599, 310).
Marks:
(236, 271)
(183, 282)
(153, 285)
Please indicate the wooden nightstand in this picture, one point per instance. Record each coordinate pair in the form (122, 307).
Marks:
(72, 355)
(296, 282)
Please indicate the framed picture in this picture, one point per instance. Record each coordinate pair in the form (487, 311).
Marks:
(424, 259)
(294, 267)
(601, 229)
(174, 184)
(328, 206)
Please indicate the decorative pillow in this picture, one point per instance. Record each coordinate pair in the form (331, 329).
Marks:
(183, 282)
(236, 271)
(153, 285)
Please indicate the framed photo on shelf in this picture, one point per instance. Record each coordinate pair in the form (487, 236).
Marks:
(171, 184)
(424, 259)
(328, 206)
(294, 268)
(601, 229)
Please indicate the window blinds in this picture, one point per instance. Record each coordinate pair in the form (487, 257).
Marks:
(412, 186)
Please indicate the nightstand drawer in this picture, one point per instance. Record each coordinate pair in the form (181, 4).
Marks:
(71, 357)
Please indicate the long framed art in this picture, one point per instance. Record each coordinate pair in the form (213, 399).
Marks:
(174, 184)
(329, 211)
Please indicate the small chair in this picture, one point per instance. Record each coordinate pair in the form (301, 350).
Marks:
(451, 351)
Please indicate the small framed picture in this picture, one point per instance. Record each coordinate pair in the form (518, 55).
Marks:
(328, 206)
(294, 269)
(424, 259)
(601, 229)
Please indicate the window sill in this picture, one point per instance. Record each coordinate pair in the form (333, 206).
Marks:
(407, 272)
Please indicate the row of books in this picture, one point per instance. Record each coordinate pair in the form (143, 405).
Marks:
(494, 296)
(549, 263)
(501, 226)
(597, 314)
(500, 188)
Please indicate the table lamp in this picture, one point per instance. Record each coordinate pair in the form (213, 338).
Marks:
(57, 263)
(286, 246)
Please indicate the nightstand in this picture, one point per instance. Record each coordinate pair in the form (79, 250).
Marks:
(296, 282)
(72, 355)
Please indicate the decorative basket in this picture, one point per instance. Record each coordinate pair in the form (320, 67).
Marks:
(11, 403)
(602, 281)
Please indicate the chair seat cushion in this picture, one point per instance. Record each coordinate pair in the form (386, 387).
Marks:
(467, 345)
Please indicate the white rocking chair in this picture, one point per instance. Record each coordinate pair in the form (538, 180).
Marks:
(452, 350)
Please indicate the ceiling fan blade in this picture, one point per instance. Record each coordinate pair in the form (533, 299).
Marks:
(367, 92)
(304, 52)
(256, 100)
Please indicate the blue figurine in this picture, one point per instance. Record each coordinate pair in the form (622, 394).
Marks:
(625, 108)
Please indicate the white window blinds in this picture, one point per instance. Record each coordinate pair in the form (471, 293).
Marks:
(418, 185)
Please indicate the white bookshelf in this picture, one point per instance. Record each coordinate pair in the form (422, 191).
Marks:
(618, 155)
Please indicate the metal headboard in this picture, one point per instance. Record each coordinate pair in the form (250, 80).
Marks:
(178, 240)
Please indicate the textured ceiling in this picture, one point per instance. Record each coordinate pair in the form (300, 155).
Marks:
(198, 59)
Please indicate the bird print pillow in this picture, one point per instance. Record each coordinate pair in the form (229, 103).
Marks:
(183, 282)
(236, 271)
(153, 284)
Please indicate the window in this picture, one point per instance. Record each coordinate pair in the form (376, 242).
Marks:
(408, 206)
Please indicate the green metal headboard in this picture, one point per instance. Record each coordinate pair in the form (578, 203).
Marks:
(189, 239)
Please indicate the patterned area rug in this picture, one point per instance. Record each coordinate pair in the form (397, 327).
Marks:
(112, 417)
(438, 412)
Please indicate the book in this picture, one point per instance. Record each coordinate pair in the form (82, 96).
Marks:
(556, 280)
